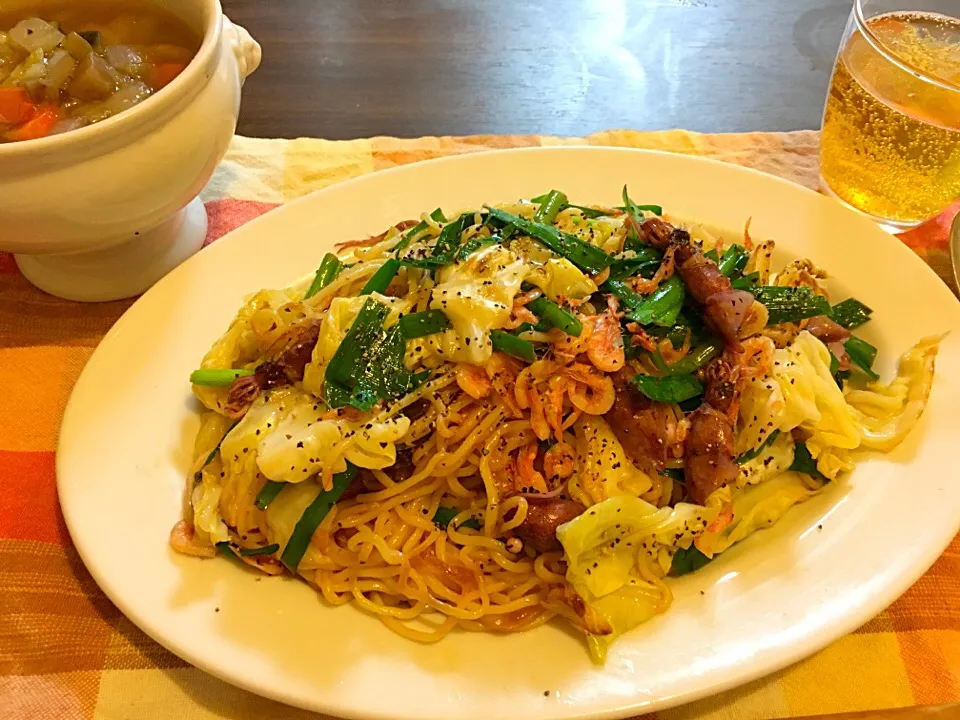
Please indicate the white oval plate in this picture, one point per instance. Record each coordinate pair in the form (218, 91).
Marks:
(829, 566)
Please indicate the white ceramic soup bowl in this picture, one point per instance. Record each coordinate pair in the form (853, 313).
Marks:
(103, 212)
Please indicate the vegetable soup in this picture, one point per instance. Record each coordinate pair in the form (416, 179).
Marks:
(65, 65)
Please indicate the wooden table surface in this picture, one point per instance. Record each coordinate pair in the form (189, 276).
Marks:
(356, 68)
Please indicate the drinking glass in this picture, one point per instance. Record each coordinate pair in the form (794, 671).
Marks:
(890, 145)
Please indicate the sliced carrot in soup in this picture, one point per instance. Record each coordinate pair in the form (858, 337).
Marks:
(163, 74)
(39, 126)
(15, 105)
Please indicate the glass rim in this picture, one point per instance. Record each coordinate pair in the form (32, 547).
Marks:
(890, 55)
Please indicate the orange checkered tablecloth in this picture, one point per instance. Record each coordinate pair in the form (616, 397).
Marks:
(67, 653)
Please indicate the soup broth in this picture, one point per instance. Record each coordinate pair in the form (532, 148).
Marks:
(65, 65)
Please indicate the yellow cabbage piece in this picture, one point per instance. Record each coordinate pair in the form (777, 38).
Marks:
(757, 507)
(622, 610)
(304, 444)
(601, 232)
(531, 250)
(774, 459)
(617, 553)
(560, 280)
(205, 496)
(604, 470)
(477, 296)
(285, 511)
(205, 501)
(238, 453)
(886, 413)
(799, 392)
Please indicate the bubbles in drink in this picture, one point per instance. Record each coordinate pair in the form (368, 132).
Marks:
(891, 131)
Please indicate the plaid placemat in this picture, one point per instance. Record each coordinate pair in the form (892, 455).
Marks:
(67, 653)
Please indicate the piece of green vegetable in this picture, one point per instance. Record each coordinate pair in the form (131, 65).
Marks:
(198, 475)
(661, 307)
(687, 561)
(676, 334)
(445, 250)
(365, 365)
(312, 517)
(338, 395)
(217, 377)
(329, 268)
(675, 474)
(449, 241)
(384, 373)
(436, 215)
(472, 245)
(751, 454)
(645, 263)
(803, 462)
(712, 255)
(851, 313)
(669, 388)
(839, 376)
(268, 494)
(628, 298)
(696, 358)
(420, 324)
(228, 552)
(657, 357)
(746, 282)
(582, 254)
(265, 550)
(862, 354)
(631, 267)
(366, 328)
(550, 207)
(789, 304)
(555, 316)
(541, 326)
(588, 212)
(512, 345)
(382, 277)
(444, 515)
(631, 207)
(734, 260)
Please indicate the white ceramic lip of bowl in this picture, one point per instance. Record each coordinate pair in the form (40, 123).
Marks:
(94, 137)
(269, 648)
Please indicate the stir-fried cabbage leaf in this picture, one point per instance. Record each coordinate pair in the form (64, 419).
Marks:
(604, 469)
(617, 553)
(757, 507)
(561, 280)
(284, 513)
(304, 443)
(885, 413)
(774, 459)
(205, 501)
(477, 296)
(799, 392)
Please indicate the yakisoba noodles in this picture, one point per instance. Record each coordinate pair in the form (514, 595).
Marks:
(490, 418)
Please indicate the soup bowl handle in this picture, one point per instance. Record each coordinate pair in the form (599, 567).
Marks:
(245, 49)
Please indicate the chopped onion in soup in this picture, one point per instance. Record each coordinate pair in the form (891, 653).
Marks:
(34, 33)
